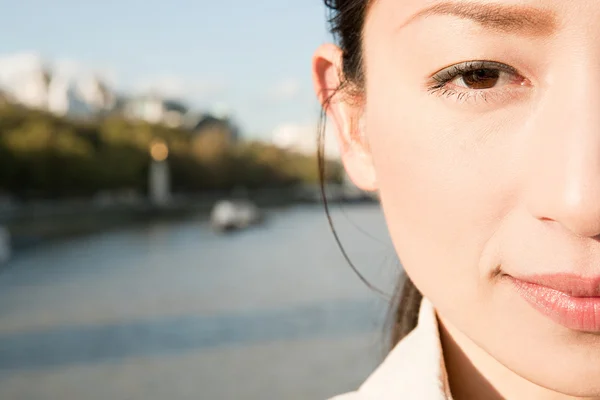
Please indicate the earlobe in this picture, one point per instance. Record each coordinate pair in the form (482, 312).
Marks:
(346, 116)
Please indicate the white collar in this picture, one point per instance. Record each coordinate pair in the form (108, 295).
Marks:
(414, 368)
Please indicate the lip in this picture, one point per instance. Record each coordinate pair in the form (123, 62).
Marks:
(569, 300)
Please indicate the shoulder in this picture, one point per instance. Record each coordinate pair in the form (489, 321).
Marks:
(399, 376)
(412, 371)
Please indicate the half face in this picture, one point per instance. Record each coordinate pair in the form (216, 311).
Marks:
(483, 124)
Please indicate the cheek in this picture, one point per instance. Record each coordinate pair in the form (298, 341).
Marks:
(445, 191)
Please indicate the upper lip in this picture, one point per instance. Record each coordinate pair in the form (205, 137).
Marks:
(570, 284)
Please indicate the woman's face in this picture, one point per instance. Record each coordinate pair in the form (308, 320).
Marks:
(483, 129)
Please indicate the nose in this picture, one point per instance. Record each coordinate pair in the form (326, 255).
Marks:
(564, 156)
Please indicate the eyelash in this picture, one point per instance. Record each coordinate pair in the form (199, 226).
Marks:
(440, 80)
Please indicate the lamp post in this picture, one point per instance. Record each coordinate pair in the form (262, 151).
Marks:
(159, 182)
(5, 248)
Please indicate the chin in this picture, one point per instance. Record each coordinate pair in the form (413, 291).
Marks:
(543, 352)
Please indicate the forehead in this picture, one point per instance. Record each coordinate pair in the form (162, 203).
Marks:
(536, 17)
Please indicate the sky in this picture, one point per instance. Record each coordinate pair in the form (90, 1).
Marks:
(251, 58)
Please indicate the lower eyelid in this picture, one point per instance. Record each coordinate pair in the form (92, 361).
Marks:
(473, 95)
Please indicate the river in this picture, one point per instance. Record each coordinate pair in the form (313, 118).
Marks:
(175, 311)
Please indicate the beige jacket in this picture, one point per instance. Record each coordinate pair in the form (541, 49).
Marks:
(413, 370)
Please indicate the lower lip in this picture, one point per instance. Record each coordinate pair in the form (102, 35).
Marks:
(577, 313)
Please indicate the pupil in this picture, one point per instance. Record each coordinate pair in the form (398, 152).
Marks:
(481, 78)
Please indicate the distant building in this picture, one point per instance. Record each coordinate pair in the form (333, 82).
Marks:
(97, 94)
(156, 110)
(27, 80)
(200, 123)
(64, 100)
(85, 98)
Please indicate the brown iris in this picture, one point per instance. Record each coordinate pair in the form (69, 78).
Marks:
(484, 78)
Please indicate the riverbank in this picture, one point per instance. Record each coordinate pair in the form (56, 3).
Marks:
(37, 222)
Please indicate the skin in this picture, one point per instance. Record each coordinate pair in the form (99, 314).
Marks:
(479, 187)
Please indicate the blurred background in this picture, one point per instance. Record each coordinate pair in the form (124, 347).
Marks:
(162, 233)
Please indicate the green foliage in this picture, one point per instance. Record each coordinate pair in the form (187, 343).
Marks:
(45, 156)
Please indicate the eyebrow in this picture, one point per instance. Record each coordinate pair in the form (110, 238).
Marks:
(523, 20)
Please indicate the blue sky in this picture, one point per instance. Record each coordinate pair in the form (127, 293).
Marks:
(251, 56)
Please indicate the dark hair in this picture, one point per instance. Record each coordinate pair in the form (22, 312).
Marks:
(347, 19)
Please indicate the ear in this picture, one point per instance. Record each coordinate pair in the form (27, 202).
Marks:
(345, 111)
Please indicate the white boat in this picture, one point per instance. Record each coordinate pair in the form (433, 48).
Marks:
(230, 215)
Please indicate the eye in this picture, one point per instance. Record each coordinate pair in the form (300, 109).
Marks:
(475, 78)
